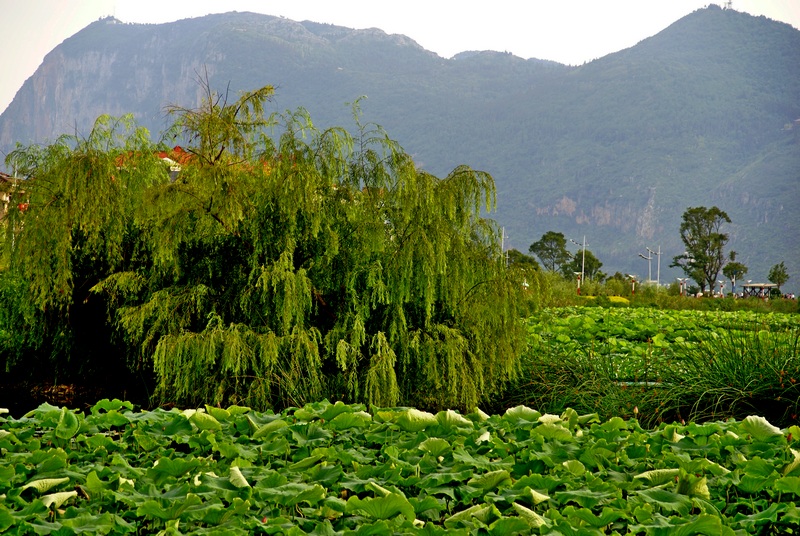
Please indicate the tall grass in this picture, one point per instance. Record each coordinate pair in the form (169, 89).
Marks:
(746, 370)
(591, 382)
(738, 373)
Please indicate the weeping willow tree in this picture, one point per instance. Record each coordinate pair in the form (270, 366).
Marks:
(280, 265)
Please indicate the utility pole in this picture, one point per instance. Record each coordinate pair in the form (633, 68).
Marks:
(583, 255)
(658, 269)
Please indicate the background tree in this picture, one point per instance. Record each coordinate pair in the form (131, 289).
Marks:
(733, 269)
(591, 266)
(551, 249)
(514, 257)
(275, 269)
(778, 275)
(700, 233)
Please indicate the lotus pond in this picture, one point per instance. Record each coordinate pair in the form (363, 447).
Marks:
(333, 468)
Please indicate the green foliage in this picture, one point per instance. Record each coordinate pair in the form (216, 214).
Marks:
(283, 264)
(736, 372)
(778, 274)
(586, 263)
(335, 468)
(700, 233)
(551, 249)
(695, 365)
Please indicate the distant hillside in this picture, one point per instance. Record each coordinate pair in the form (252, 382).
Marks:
(703, 113)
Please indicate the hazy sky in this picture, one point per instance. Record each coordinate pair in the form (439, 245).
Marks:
(567, 31)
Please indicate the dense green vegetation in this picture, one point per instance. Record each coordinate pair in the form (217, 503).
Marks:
(281, 265)
(701, 114)
(661, 365)
(338, 469)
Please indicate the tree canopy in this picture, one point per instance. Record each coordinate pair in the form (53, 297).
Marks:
(551, 249)
(734, 269)
(266, 262)
(704, 242)
(778, 274)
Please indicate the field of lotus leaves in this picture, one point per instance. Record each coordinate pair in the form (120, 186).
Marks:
(333, 468)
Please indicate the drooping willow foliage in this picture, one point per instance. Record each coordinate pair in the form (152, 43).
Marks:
(281, 264)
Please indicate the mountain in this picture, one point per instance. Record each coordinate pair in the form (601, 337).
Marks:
(703, 113)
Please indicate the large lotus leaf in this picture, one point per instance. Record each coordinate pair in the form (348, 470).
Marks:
(478, 515)
(427, 503)
(553, 431)
(693, 486)
(479, 461)
(154, 508)
(574, 467)
(221, 414)
(57, 499)
(217, 513)
(435, 480)
(584, 497)
(435, 446)
(449, 419)
(325, 473)
(147, 441)
(6, 518)
(345, 421)
(265, 430)
(668, 501)
(656, 477)
(310, 435)
(788, 484)
(338, 408)
(45, 484)
(90, 523)
(292, 493)
(491, 480)
(606, 517)
(237, 478)
(204, 421)
(758, 475)
(68, 424)
(508, 526)
(167, 467)
(531, 518)
(522, 413)
(793, 467)
(759, 428)
(708, 525)
(413, 420)
(382, 508)
(765, 517)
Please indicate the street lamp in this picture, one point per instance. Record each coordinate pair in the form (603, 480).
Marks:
(583, 255)
(648, 259)
(633, 284)
(682, 284)
(658, 264)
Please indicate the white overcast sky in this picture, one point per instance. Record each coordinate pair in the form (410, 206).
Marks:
(567, 31)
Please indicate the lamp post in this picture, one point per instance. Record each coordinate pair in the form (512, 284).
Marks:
(648, 259)
(633, 284)
(682, 284)
(583, 255)
(658, 264)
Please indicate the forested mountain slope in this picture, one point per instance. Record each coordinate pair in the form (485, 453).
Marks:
(703, 113)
